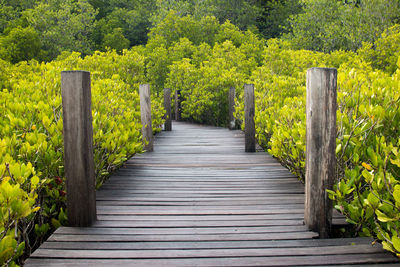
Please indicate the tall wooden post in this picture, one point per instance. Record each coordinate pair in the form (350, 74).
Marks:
(145, 112)
(231, 102)
(178, 105)
(249, 111)
(321, 146)
(78, 148)
(167, 107)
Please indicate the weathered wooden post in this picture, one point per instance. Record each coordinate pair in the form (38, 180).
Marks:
(145, 112)
(321, 145)
(167, 107)
(178, 105)
(249, 111)
(78, 148)
(231, 102)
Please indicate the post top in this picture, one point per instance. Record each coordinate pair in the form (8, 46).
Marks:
(75, 71)
(322, 69)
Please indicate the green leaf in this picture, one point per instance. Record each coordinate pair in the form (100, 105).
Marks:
(372, 156)
(55, 223)
(338, 148)
(396, 243)
(34, 180)
(387, 246)
(373, 200)
(383, 217)
(396, 195)
(369, 177)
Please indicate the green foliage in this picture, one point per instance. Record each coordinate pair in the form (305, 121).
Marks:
(385, 51)
(274, 20)
(18, 201)
(204, 74)
(63, 26)
(31, 143)
(327, 25)
(20, 44)
(116, 40)
(177, 37)
(368, 123)
(133, 20)
(174, 27)
(243, 13)
(88, 25)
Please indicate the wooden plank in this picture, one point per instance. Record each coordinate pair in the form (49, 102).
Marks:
(196, 223)
(195, 212)
(204, 253)
(122, 217)
(284, 198)
(185, 202)
(210, 244)
(188, 237)
(179, 230)
(376, 258)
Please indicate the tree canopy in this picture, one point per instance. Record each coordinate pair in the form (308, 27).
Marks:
(50, 27)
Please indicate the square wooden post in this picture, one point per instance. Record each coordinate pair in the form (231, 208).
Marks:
(321, 148)
(231, 101)
(249, 111)
(178, 110)
(145, 112)
(78, 148)
(167, 107)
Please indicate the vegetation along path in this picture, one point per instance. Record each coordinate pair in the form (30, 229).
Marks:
(200, 200)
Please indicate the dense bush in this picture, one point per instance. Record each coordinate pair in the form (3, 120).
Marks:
(32, 190)
(367, 189)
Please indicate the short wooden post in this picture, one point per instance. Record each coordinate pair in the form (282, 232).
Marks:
(167, 107)
(78, 148)
(231, 101)
(321, 145)
(249, 111)
(178, 105)
(145, 112)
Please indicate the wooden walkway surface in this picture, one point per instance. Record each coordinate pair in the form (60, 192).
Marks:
(200, 200)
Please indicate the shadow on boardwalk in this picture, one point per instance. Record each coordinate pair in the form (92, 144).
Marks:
(200, 200)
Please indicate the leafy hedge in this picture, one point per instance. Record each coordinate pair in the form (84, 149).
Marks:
(32, 190)
(367, 189)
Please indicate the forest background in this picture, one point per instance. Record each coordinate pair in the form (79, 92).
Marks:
(42, 29)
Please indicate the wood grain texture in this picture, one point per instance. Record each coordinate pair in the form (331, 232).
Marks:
(197, 206)
(321, 145)
(249, 125)
(178, 110)
(167, 107)
(78, 147)
(231, 108)
(145, 112)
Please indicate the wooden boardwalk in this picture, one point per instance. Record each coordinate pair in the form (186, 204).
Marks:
(200, 200)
